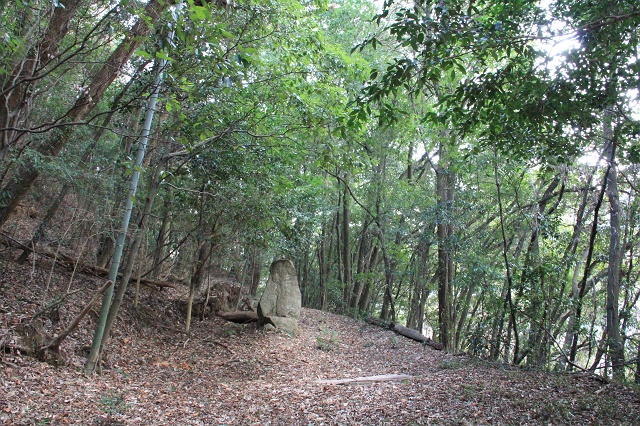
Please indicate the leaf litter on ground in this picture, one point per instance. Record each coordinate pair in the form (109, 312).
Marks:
(228, 374)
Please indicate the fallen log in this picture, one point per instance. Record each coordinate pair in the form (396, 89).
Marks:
(380, 378)
(406, 332)
(377, 321)
(415, 335)
(239, 317)
(73, 264)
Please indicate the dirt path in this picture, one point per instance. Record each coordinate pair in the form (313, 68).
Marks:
(237, 375)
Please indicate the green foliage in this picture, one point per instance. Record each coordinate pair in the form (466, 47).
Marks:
(327, 341)
(113, 404)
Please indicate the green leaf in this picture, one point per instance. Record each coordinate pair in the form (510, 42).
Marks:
(143, 54)
(163, 55)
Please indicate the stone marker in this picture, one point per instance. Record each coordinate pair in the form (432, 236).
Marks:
(281, 300)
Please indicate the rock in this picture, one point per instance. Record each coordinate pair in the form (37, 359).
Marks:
(281, 300)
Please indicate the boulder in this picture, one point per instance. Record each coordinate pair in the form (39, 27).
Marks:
(281, 300)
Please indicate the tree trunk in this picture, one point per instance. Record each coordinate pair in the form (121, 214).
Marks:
(197, 275)
(306, 271)
(570, 252)
(98, 338)
(323, 268)
(255, 266)
(637, 373)
(416, 335)
(134, 250)
(533, 274)
(346, 243)
(615, 347)
(239, 317)
(388, 312)
(363, 303)
(357, 282)
(582, 287)
(445, 271)
(163, 235)
(513, 326)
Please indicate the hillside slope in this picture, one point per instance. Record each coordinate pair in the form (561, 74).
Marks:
(239, 375)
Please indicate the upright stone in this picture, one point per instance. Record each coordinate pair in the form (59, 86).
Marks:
(281, 300)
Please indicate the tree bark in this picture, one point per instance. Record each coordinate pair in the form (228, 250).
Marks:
(416, 335)
(239, 317)
(163, 235)
(513, 326)
(254, 265)
(197, 275)
(445, 271)
(363, 303)
(614, 340)
(99, 338)
(582, 287)
(323, 269)
(134, 250)
(346, 243)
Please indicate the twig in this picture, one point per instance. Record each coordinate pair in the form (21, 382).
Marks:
(215, 342)
(172, 329)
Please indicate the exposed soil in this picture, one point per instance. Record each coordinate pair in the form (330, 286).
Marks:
(231, 374)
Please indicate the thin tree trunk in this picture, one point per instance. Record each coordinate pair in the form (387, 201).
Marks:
(444, 194)
(363, 303)
(388, 312)
(509, 300)
(134, 250)
(570, 252)
(637, 373)
(204, 251)
(346, 243)
(163, 235)
(362, 248)
(323, 269)
(587, 271)
(464, 311)
(615, 347)
(254, 271)
(98, 338)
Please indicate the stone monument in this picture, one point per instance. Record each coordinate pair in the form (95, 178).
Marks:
(281, 300)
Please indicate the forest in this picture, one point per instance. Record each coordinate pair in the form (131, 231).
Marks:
(465, 168)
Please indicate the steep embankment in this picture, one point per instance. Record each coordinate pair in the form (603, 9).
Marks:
(230, 374)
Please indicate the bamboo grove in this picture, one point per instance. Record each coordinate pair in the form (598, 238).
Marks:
(464, 167)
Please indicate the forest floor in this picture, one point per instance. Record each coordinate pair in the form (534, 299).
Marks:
(223, 373)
